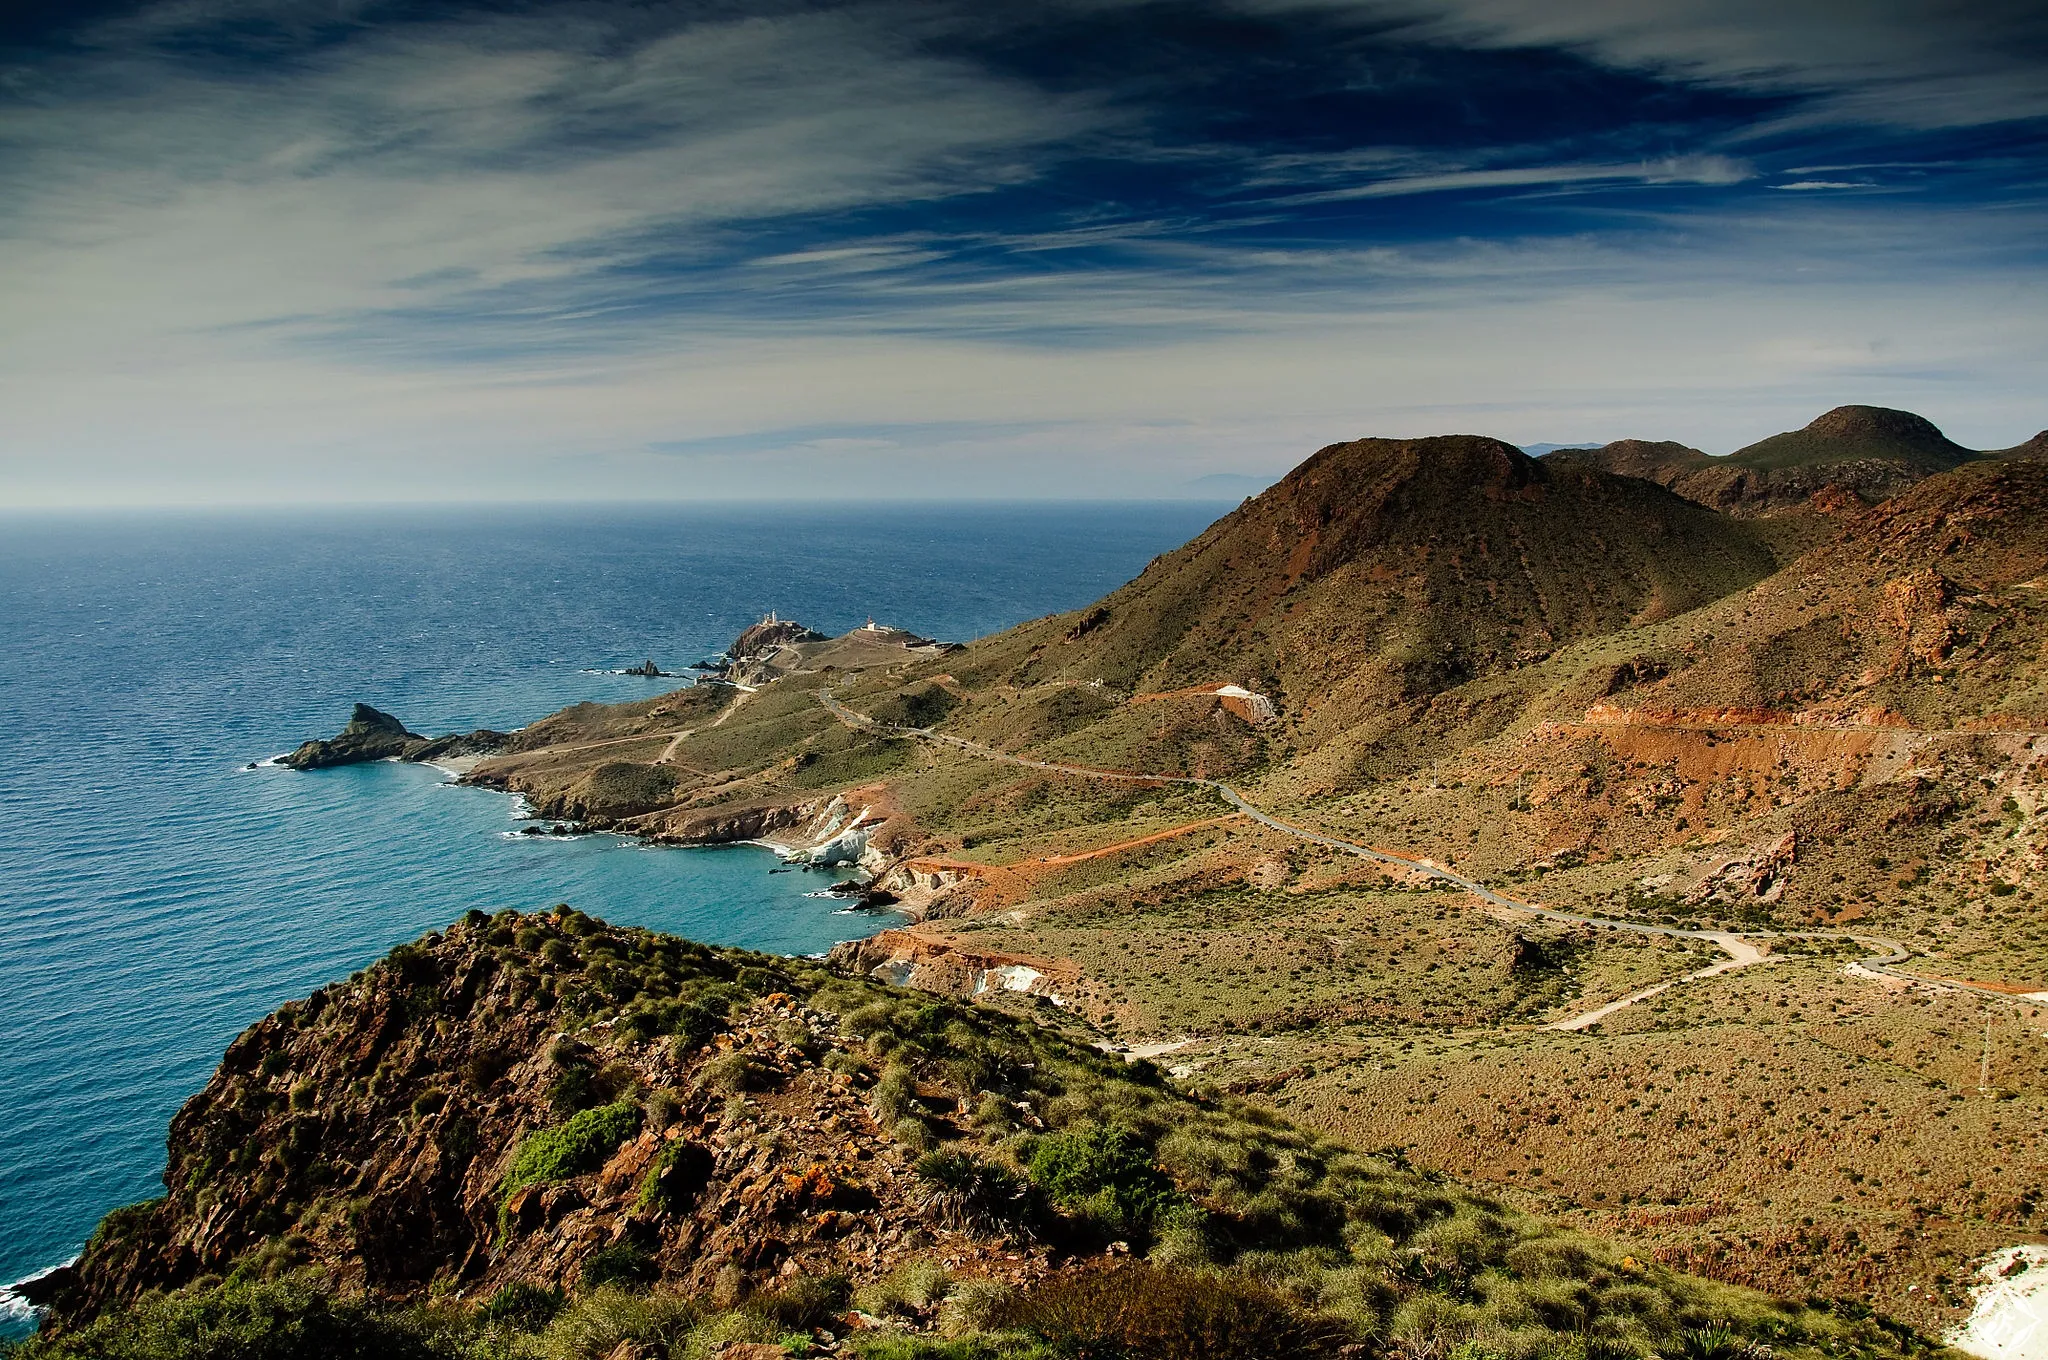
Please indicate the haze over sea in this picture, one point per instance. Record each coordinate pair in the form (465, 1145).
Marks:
(159, 898)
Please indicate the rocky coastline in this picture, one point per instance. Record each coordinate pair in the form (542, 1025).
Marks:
(614, 798)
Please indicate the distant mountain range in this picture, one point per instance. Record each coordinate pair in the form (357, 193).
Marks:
(1870, 452)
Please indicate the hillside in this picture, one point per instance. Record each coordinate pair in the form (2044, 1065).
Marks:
(1381, 572)
(2037, 447)
(1671, 872)
(543, 1136)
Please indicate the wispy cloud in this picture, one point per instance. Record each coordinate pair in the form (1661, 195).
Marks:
(245, 244)
(1708, 169)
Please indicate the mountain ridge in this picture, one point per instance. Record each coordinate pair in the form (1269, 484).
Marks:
(1870, 452)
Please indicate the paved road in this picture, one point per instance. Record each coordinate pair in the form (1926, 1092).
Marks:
(1884, 958)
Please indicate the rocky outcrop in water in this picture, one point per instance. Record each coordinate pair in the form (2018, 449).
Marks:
(372, 734)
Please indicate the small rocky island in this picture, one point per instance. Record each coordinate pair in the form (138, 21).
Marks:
(372, 734)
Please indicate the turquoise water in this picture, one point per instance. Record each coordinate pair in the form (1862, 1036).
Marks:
(155, 897)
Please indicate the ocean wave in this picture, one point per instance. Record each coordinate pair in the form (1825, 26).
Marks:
(15, 1308)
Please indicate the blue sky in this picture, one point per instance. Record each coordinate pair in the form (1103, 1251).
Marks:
(254, 251)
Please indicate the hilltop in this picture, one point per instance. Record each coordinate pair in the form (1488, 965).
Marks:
(1869, 452)
(1381, 572)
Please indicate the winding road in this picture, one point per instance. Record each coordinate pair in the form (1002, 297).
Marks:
(1886, 954)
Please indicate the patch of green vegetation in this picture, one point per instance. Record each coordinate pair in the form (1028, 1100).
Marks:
(581, 1144)
(290, 1319)
(678, 1173)
(523, 1305)
(1107, 1176)
(621, 1264)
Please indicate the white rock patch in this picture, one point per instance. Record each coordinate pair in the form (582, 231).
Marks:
(2010, 1321)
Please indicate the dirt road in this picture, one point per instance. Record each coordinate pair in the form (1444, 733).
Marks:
(1886, 955)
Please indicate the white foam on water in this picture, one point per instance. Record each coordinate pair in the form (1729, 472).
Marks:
(15, 1308)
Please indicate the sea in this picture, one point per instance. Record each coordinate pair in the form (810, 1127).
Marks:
(158, 896)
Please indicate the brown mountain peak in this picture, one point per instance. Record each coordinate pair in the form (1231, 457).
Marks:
(1874, 422)
(1662, 461)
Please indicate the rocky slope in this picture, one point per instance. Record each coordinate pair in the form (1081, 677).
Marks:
(1382, 571)
(2037, 447)
(1925, 607)
(542, 1103)
(378, 1127)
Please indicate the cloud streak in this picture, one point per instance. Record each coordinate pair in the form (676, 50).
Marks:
(246, 253)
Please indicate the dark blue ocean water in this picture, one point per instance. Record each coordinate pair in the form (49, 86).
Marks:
(156, 898)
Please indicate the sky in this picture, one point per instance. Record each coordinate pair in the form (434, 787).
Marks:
(256, 252)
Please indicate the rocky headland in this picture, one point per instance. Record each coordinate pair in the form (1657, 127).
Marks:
(542, 1136)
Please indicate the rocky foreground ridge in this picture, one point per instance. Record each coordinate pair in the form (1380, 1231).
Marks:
(592, 1141)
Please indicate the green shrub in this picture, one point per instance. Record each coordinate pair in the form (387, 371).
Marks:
(912, 1132)
(712, 1335)
(963, 1191)
(994, 1114)
(295, 1318)
(621, 1264)
(582, 1144)
(1106, 1176)
(731, 1073)
(1146, 1312)
(574, 1088)
(895, 1095)
(677, 1176)
(596, 1325)
(975, 1306)
(886, 1346)
(664, 1107)
(523, 1305)
(914, 1287)
(804, 1303)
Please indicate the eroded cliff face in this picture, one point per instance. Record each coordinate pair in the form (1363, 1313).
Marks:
(505, 1101)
